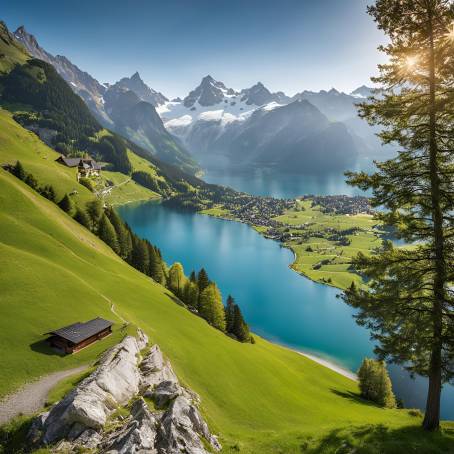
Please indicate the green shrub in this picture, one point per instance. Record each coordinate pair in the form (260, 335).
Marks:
(375, 384)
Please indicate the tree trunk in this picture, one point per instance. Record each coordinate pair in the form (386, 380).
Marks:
(432, 416)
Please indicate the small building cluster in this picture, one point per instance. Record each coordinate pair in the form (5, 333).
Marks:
(75, 337)
(86, 167)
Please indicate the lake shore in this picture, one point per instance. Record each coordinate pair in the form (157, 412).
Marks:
(330, 365)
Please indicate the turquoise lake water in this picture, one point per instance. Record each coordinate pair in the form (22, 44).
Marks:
(279, 304)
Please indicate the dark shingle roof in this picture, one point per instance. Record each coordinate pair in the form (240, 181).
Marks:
(70, 162)
(78, 332)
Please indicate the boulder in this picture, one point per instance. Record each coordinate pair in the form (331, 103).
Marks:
(181, 428)
(165, 392)
(137, 436)
(154, 369)
(113, 383)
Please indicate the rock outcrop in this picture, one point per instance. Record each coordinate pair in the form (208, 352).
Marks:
(108, 411)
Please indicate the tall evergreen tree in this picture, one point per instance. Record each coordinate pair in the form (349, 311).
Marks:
(191, 294)
(156, 265)
(211, 307)
(409, 302)
(107, 233)
(139, 256)
(82, 218)
(19, 171)
(202, 280)
(124, 239)
(230, 314)
(94, 210)
(240, 328)
(66, 204)
(193, 277)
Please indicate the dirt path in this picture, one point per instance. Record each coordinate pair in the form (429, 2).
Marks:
(32, 397)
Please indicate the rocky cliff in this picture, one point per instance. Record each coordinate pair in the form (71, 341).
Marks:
(129, 404)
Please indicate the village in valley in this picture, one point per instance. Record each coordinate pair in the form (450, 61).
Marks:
(324, 232)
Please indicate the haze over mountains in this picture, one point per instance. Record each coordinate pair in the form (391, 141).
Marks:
(221, 126)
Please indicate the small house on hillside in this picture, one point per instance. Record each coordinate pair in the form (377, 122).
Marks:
(86, 167)
(73, 338)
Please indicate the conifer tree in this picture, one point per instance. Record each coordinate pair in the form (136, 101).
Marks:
(94, 210)
(230, 314)
(191, 294)
(82, 218)
(66, 204)
(139, 256)
(124, 239)
(240, 328)
(156, 265)
(211, 307)
(193, 277)
(31, 181)
(409, 303)
(48, 192)
(202, 280)
(19, 171)
(107, 233)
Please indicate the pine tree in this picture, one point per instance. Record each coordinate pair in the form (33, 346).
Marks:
(193, 277)
(82, 218)
(408, 304)
(19, 172)
(191, 294)
(211, 307)
(240, 328)
(31, 181)
(66, 204)
(139, 256)
(124, 239)
(94, 210)
(202, 280)
(107, 233)
(230, 314)
(48, 192)
(156, 265)
(177, 279)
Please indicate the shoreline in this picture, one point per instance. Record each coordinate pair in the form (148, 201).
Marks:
(329, 365)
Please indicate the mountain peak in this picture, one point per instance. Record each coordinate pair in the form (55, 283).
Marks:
(136, 76)
(141, 89)
(208, 93)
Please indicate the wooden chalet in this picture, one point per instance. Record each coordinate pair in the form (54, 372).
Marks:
(86, 167)
(73, 338)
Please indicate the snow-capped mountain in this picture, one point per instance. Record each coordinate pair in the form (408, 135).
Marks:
(212, 101)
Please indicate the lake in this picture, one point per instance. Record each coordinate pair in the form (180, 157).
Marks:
(279, 304)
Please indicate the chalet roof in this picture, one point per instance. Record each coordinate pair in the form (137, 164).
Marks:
(86, 163)
(70, 162)
(78, 332)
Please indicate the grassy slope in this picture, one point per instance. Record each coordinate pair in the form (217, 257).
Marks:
(259, 397)
(16, 143)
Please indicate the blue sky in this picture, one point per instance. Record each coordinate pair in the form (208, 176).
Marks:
(289, 45)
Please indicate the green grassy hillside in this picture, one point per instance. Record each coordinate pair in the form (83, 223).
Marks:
(261, 398)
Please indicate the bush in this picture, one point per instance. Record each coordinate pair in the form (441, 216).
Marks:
(375, 384)
(415, 412)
